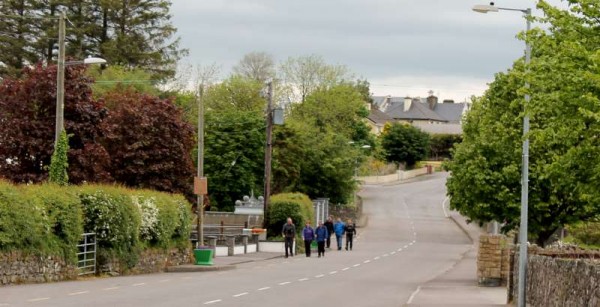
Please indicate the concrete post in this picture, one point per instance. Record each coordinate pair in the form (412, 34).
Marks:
(230, 244)
(245, 242)
(212, 242)
(255, 240)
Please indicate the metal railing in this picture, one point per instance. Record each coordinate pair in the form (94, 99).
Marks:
(86, 254)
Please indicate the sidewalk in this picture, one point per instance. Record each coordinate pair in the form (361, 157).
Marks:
(224, 263)
(458, 286)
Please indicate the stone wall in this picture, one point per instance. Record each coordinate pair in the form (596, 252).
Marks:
(563, 277)
(18, 267)
(493, 260)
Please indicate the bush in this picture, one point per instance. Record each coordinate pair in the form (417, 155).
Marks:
(295, 205)
(22, 225)
(586, 234)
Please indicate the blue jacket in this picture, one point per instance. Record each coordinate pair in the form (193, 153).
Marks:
(338, 228)
(308, 233)
(322, 233)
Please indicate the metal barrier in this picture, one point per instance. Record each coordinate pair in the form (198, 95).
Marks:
(86, 254)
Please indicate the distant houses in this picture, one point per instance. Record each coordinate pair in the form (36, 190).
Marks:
(427, 114)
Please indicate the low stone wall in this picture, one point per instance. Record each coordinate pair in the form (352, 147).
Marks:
(150, 261)
(560, 278)
(398, 176)
(17, 267)
(493, 260)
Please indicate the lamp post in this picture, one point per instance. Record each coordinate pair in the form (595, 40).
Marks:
(60, 76)
(525, 158)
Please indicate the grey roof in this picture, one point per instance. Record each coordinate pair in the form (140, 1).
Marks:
(378, 117)
(417, 111)
(451, 112)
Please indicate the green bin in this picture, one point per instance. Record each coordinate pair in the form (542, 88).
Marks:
(203, 256)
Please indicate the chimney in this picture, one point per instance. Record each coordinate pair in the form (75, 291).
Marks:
(432, 101)
(407, 103)
(448, 101)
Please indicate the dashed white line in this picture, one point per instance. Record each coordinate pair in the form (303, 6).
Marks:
(302, 279)
(319, 276)
(406, 246)
(240, 294)
(366, 261)
(393, 253)
(358, 264)
(111, 288)
(78, 293)
(211, 302)
(399, 249)
(264, 288)
(333, 272)
(38, 299)
(385, 255)
(345, 269)
(377, 258)
(285, 283)
(139, 284)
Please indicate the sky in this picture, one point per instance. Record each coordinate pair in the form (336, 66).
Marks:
(402, 47)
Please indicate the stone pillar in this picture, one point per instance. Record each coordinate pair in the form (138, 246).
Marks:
(255, 240)
(230, 244)
(491, 267)
(245, 242)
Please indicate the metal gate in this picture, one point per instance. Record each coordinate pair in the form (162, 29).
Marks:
(321, 206)
(86, 254)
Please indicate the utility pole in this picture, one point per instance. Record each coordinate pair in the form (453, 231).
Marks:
(60, 79)
(200, 196)
(268, 151)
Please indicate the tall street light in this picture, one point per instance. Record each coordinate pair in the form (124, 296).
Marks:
(60, 76)
(525, 157)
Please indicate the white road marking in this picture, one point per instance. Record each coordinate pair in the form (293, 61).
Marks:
(393, 253)
(358, 264)
(285, 283)
(412, 296)
(240, 294)
(319, 276)
(38, 299)
(78, 293)
(376, 258)
(366, 261)
(333, 272)
(264, 288)
(140, 284)
(302, 279)
(111, 288)
(345, 269)
(405, 246)
(411, 243)
(211, 302)
(385, 255)
(444, 206)
(399, 249)
(414, 233)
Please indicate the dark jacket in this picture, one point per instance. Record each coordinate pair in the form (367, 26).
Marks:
(329, 225)
(322, 233)
(308, 233)
(350, 229)
(288, 230)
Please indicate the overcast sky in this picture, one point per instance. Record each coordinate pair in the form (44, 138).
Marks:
(402, 47)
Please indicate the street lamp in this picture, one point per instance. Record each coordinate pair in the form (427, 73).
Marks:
(525, 157)
(60, 77)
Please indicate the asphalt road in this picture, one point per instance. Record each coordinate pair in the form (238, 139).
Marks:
(408, 241)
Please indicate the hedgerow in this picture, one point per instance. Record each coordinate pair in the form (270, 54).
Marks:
(294, 205)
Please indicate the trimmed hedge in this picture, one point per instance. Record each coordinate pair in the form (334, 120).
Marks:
(49, 220)
(295, 205)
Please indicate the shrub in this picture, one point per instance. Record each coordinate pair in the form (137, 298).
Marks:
(585, 233)
(295, 205)
(22, 225)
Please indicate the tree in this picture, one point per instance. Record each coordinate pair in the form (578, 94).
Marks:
(149, 143)
(59, 162)
(258, 66)
(27, 124)
(303, 75)
(15, 32)
(440, 145)
(563, 171)
(404, 144)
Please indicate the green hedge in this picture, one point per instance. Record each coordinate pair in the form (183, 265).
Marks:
(295, 205)
(49, 219)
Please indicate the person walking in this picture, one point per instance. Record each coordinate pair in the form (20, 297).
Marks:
(329, 225)
(322, 234)
(338, 228)
(308, 235)
(289, 232)
(350, 230)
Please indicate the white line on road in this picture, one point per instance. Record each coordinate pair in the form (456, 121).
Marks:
(412, 296)
(345, 269)
(78, 293)
(358, 264)
(264, 288)
(302, 279)
(444, 206)
(139, 284)
(376, 258)
(38, 299)
(405, 246)
(393, 253)
(211, 302)
(332, 272)
(366, 261)
(319, 276)
(285, 283)
(240, 294)
(385, 255)
(399, 249)
(111, 288)
(414, 233)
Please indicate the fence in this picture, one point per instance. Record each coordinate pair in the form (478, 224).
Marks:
(86, 254)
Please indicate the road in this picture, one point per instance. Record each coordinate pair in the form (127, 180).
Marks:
(408, 241)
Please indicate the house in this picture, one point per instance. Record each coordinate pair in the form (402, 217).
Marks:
(427, 114)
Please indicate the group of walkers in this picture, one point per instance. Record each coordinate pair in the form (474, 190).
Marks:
(322, 234)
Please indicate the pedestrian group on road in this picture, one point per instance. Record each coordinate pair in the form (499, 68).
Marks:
(321, 234)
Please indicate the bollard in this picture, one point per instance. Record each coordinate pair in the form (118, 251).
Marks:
(255, 240)
(212, 242)
(245, 242)
(230, 244)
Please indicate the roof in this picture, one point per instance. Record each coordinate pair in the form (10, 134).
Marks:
(378, 117)
(417, 111)
(451, 112)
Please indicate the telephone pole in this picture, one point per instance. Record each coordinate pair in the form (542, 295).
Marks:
(60, 79)
(268, 152)
(200, 196)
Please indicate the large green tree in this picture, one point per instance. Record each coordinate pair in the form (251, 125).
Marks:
(564, 112)
(404, 144)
